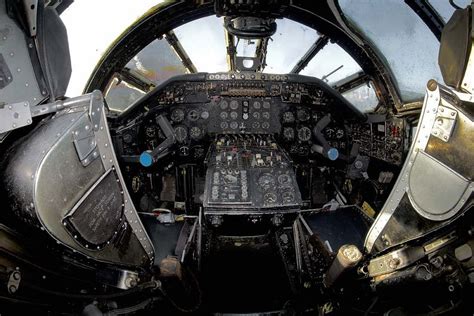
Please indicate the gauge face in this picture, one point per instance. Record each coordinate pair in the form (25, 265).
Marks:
(255, 125)
(204, 115)
(266, 181)
(303, 151)
(224, 115)
(177, 115)
(257, 105)
(284, 179)
(302, 115)
(181, 134)
(127, 138)
(224, 105)
(184, 151)
(234, 115)
(288, 197)
(265, 125)
(266, 115)
(330, 133)
(224, 125)
(256, 115)
(304, 134)
(266, 105)
(195, 133)
(193, 115)
(234, 105)
(150, 131)
(270, 198)
(339, 133)
(288, 117)
(288, 133)
(234, 125)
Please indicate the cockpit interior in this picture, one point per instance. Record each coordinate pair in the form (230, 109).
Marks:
(229, 157)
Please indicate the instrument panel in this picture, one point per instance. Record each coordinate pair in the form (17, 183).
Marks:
(303, 114)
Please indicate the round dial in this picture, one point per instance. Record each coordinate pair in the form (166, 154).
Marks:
(234, 105)
(224, 105)
(288, 133)
(150, 131)
(177, 115)
(224, 125)
(127, 138)
(193, 115)
(204, 115)
(234, 115)
(269, 198)
(234, 125)
(256, 115)
(266, 105)
(257, 105)
(265, 125)
(339, 133)
(224, 115)
(266, 115)
(255, 125)
(195, 133)
(330, 132)
(302, 115)
(304, 134)
(181, 134)
(288, 197)
(266, 181)
(288, 117)
(284, 179)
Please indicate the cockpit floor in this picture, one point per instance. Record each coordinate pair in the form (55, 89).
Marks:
(240, 280)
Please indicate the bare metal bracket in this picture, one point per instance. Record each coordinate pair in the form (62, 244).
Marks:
(31, 10)
(444, 123)
(13, 116)
(16, 115)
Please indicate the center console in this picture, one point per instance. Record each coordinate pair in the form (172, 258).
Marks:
(249, 175)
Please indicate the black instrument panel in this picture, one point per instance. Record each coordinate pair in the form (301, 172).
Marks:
(203, 106)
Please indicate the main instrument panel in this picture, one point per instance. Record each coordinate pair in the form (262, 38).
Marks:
(201, 106)
(274, 127)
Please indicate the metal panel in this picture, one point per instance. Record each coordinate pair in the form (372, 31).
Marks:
(436, 192)
(15, 51)
(48, 181)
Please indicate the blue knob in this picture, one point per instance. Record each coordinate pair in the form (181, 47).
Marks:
(333, 153)
(146, 158)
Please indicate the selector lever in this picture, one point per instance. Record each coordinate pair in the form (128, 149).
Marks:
(324, 149)
(149, 157)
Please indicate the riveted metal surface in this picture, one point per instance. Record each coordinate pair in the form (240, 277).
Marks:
(47, 180)
(427, 118)
(436, 197)
(109, 160)
(14, 49)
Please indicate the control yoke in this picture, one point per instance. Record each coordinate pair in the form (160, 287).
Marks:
(149, 157)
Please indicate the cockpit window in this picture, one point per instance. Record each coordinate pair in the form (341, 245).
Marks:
(142, 73)
(410, 48)
(286, 47)
(179, 51)
(331, 65)
(445, 9)
(204, 42)
(363, 97)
